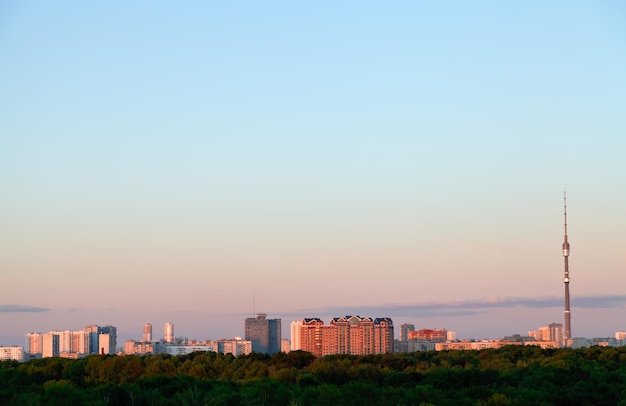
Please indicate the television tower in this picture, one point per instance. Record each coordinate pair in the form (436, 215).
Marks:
(568, 328)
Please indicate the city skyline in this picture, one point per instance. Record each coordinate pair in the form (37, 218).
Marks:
(464, 307)
(350, 334)
(170, 163)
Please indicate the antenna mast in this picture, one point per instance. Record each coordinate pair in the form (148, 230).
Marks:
(568, 328)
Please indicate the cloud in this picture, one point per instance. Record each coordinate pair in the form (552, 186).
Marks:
(468, 307)
(22, 309)
(600, 301)
(454, 308)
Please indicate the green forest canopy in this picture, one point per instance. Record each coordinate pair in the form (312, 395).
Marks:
(513, 375)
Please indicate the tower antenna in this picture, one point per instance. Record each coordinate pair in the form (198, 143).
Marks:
(568, 326)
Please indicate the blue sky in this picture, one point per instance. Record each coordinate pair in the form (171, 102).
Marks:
(169, 162)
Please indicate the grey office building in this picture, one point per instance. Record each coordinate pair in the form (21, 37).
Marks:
(264, 333)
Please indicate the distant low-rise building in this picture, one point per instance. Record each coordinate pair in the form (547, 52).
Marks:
(70, 355)
(420, 345)
(543, 344)
(473, 345)
(421, 340)
(182, 349)
(139, 347)
(436, 335)
(14, 353)
(235, 346)
(400, 346)
(484, 344)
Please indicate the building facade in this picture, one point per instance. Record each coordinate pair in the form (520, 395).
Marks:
(14, 353)
(296, 328)
(168, 331)
(109, 335)
(285, 345)
(484, 344)
(147, 332)
(92, 339)
(404, 331)
(553, 332)
(182, 349)
(344, 335)
(50, 345)
(265, 334)
(436, 335)
(139, 347)
(33, 344)
(235, 346)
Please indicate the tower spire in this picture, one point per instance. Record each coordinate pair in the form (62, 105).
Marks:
(565, 213)
(568, 329)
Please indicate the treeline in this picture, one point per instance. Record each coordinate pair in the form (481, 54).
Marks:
(514, 375)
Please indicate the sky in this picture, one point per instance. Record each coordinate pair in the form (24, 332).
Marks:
(200, 162)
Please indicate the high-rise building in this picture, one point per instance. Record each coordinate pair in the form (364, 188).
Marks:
(306, 335)
(265, 334)
(147, 332)
(285, 345)
(404, 331)
(553, 332)
(169, 333)
(65, 341)
(92, 338)
(33, 344)
(73, 342)
(50, 345)
(111, 345)
(80, 342)
(104, 343)
(344, 335)
(69, 342)
(295, 334)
